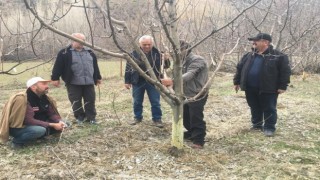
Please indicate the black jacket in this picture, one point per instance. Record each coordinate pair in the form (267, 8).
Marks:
(154, 57)
(274, 74)
(62, 66)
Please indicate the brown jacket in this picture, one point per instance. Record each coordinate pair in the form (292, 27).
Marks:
(14, 112)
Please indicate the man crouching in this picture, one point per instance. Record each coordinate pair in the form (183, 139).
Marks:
(30, 115)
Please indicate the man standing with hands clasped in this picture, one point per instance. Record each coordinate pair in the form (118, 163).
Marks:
(263, 74)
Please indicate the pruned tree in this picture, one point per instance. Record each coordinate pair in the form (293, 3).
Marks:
(169, 18)
(215, 28)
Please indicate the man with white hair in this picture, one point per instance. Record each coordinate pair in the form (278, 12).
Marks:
(30, 115)
(78, 67)
(140, 85)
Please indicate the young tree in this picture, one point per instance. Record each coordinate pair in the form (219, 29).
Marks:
(169, 18)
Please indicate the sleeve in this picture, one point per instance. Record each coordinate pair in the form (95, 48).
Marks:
(196, 66)
(284, 73)
(54, 117)
(96, 66)
(29, 118)
(127, 74)
(58, 67)
(237, 76)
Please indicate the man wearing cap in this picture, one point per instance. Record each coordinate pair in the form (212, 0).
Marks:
(78, 67)
(263, 74)
(30, 115)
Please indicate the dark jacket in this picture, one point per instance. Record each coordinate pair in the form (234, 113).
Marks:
(62, 66)
(274, 74)
(154, 57)
(40, 110)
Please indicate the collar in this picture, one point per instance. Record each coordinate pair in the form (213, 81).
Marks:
(83, 49)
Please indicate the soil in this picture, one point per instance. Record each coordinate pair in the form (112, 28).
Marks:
(116, 150)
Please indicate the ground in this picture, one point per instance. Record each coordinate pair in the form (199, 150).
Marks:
(116, 150)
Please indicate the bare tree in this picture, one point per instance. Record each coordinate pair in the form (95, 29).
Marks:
(215, 28)
(168, 17)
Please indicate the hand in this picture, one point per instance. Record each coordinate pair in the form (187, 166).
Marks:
(99, 81)
(280, 91)
(57, 126)
(167, 82)
(56, 83)
(127, 86)
(65, 124)
(236, 88)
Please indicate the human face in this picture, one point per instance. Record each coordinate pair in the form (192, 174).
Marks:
(146, 45)
(40, 88)
(261, 45)
(76, 45)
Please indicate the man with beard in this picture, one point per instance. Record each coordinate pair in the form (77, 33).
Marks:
(263, 74)
(30, 115)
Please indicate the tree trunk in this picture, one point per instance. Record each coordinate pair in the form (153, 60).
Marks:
(177, 126)
(177, 109)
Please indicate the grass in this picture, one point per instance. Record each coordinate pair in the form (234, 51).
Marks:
(108, 69)
(115, 150)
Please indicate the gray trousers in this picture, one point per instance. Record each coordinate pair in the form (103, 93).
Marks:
(76, 94)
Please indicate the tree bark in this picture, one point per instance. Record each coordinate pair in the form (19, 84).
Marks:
(177, 109)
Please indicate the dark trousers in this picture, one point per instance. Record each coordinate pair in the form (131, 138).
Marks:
(193, 120)
(86, 92)
(263, 108)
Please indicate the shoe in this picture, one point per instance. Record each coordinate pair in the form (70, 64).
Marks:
(158, 124)
(196, 146)
(93, 122)
(268, 133)
(135, 121)
(16, 146)
(80, 120)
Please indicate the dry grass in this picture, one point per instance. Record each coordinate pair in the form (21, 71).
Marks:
(116, 150)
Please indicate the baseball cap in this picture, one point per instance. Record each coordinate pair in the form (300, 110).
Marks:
(35, 80)
(261, 36)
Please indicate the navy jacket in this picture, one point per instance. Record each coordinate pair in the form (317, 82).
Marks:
(274, 74)
(62, 66)
(154, 57)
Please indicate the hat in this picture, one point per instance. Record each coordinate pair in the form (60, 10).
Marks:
(35, 80)
(184, 44)
(261, 36)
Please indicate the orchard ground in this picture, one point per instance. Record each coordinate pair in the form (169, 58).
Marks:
(116, 150)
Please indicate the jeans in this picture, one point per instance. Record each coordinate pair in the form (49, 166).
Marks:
(193, 120)
(27, 134)
(138, 91)
(263, 108)
(75, 94)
